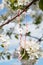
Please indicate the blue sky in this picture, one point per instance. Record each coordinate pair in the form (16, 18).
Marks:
(3, 11)
(15, 61)
(0, 1)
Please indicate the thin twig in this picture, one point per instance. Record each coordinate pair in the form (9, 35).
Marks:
(39, 39)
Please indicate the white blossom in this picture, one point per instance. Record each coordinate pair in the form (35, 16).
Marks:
(4, 41)
(32, 48)
(1, 6)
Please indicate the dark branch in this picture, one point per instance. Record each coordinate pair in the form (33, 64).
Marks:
(39, 39)
(27, 6)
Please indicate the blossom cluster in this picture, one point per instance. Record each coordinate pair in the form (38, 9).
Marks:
(19, 2)
(31, 48)
(4, 41)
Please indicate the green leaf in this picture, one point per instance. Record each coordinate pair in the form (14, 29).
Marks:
(17, 7)
(12, 4)
(0, 53)
(3, 17)
(9, 34)
(16, 36)
(2, 45)
(38, 20)
(13, 1)
(41, 4)
(8, 57)
(24, 54)
(13, 7)
(27, 34)
(21, 7)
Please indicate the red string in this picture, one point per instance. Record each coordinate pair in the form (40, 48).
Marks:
(19, 26)
(20, 30)
(19, 17)
(26, 27)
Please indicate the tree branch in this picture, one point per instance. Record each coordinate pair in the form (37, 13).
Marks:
(27, 6)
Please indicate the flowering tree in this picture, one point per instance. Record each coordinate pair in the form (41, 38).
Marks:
(29, 34)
